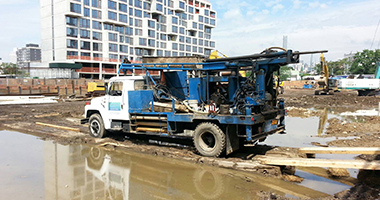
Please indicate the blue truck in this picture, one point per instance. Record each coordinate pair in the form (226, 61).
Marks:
(222, 104)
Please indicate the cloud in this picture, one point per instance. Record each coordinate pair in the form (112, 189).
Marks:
(296, 4)
(316, 4)
(271, 3)
(277, 7)
(339, 27)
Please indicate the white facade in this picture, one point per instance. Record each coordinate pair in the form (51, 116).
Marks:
(99, 33)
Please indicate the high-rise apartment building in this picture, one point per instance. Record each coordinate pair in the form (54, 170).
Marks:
(99, 33)
(29, 54)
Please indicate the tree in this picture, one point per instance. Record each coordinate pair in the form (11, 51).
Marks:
(285, 73)
(365, 62)
(9, 68)
(335, 67)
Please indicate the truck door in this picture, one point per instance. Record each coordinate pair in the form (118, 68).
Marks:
(116, 100)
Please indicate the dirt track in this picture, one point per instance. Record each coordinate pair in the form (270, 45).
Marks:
(301, 103)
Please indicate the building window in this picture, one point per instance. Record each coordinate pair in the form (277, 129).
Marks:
(138, 52)
(84, 23)
(129, 40)
(85, 45)
(151, 33)
(151, 24)
(75, 8)
(200, 50)
(138, 3)
(151, 43)
(174, 46)
(212, 44)
(200, 18)
(112, 15)
(123, 48)
(112, 37)
(146, 6)
(119, 29)
(72, 44)
(142, 41)
(72, 21)
(146, 14)
(138, 32)
(200, 27)
(86, 12)
(174, 53)
(97, 55)
(182, 5)
(129, 31)
(212, 21)
(167, 53)
(200, 34)
(200, 42)
(163, 37)
(159, 7)
(195, 25)
(111, 5)
(181, 47)
(72, 53)
(86, 2)
(138, 13)
(138, 22)
(123, 7)
(108, 27)
(194, 49)
(208, 30)
(181, 39)
(96, 36)
(114, 57)
(96, 14)
(174, 29)
(188, 48)
(112, 47)
(123, 18)
(174, 20)
(207, 12)
(97, 46)
(96, 3)
(85, 34)
(188, 40)
(182, 30)
(96, 25)
(206, 20)
(160, 53)
(191, 9)
(194, 41)
(72, 32)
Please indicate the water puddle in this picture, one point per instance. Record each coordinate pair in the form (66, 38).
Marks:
(47, 170)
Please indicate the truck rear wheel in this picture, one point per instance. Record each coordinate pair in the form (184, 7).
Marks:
(209, 139)
(97, 126)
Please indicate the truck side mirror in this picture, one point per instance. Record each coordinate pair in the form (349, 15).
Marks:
(106, 87)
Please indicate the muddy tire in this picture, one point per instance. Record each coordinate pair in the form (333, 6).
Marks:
(209, 139)
(96, 126)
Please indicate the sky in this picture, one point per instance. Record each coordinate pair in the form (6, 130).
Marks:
(245, 26)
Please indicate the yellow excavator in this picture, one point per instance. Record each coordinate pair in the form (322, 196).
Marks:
(325, 85)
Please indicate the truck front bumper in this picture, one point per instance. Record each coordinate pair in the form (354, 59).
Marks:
(84, 121)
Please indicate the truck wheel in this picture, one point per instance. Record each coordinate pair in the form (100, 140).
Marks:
(209, 139)
(96, 126)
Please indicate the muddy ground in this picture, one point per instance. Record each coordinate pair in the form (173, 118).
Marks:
(300, 103)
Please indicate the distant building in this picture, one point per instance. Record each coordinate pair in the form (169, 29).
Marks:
(27, 55)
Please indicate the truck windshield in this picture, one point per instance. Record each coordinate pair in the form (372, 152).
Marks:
(116, 89)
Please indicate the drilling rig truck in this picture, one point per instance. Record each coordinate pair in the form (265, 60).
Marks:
(209, 102)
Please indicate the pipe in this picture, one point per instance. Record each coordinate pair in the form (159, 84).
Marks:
(149, 118)
(143, 129)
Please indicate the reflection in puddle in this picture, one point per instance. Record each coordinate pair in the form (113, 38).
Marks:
(80, 172)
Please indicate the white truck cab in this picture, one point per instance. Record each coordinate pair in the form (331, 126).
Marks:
(110, 110)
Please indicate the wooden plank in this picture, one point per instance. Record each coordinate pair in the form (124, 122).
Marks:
(59, 127)
(353, 164)
(340, 150)
(47, 115)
